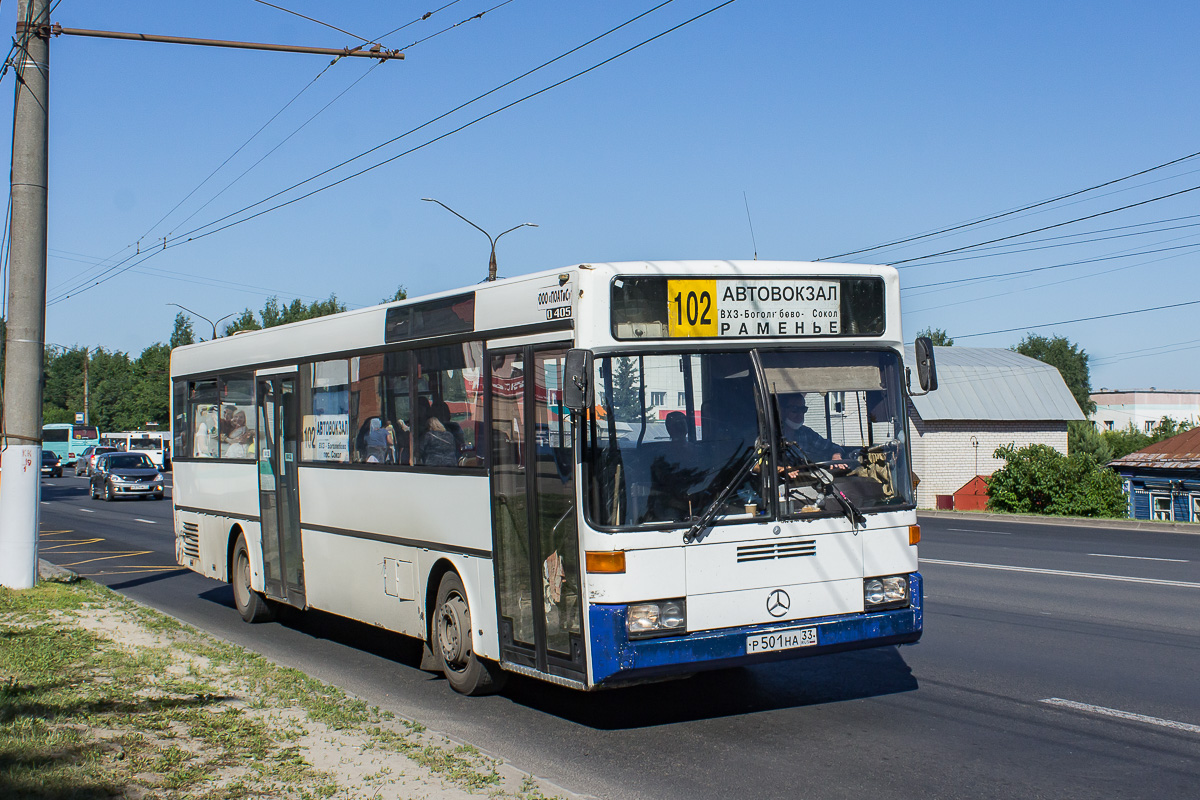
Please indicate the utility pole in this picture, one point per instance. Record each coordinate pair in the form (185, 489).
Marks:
(21, 440)
(20, 489)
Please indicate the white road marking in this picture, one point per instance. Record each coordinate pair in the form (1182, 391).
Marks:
(147, 521)
(1097, 576)
(88, 510)
(1112, 712)
(1140, 558)
(975, 530)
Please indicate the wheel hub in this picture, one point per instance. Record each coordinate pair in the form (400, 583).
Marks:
(453, 631)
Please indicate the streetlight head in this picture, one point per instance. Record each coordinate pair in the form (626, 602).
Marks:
(429, 200)
(530, 224)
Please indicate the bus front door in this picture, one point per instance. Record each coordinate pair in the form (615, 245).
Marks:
(534, 536)
(278, 489)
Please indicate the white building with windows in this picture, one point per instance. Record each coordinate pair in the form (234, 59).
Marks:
(1143, 408)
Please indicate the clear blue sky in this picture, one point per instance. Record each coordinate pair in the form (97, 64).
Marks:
(846, 125)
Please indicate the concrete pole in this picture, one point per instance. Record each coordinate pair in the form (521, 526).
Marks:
(20, 484)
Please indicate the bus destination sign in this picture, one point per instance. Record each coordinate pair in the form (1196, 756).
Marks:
(754, 307)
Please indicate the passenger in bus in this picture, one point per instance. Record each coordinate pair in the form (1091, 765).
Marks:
(205, 445)
(239, 437)
(438, 448)
(673, 473)
(440, 409)
(397, 433)
(379, 443)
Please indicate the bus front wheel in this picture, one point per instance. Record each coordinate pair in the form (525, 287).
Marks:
(466, 672)
(250, 604)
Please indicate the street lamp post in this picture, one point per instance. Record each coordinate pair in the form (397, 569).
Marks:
(206, 319)
(491, 241)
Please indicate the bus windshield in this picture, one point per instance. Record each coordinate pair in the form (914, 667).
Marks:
(671, 432)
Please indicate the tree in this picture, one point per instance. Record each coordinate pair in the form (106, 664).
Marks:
(627, 387)
(1126, 441)
(243, 322)
(1071, 362)
(151, 391)
(273, 313)
(1037, 479)
(183, 333)
(1082, 437)
(401, 294)
(940, 337)
(1130, 440)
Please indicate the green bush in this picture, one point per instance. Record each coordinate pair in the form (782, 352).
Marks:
(1037, 479)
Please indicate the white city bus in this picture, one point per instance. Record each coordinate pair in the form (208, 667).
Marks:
(155, 444)
(603, 475)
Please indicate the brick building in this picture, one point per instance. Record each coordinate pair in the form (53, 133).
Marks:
(986, 398)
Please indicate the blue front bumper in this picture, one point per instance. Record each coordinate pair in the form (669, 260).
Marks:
(617, 659)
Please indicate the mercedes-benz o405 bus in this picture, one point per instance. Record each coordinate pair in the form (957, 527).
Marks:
(602, 475)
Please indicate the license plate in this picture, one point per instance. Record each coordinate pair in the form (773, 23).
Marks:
(780, 640)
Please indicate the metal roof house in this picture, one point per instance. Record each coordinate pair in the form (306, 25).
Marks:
(986, 398)
(1162, 481)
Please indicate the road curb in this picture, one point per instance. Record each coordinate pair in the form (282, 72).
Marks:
(1071, 522)
(55, 573)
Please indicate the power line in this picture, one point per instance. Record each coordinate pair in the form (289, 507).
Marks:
(421, 18)
(1009, 252)
(282, 142)
(1128, 354)
(1031, 270)
(1048, 227)
(1081, 319)
(994, 295)
(186, 238)
(1010, 213)
(455, 25)
(319, 22)
(436, 119)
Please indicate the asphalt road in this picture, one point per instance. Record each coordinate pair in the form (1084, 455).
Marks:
(1057, 662)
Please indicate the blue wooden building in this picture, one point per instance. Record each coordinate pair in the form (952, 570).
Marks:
(1162, 481)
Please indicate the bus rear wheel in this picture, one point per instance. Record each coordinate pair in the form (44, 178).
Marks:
(466, 672)
(250, 604)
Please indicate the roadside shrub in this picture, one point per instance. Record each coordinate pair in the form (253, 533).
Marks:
(1037, 479)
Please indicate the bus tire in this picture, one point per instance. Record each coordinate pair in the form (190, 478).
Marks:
(452, 644)
(250, 604)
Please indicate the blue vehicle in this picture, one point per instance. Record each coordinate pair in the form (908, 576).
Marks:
(67, 441)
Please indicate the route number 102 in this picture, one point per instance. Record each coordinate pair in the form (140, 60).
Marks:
(693, 311)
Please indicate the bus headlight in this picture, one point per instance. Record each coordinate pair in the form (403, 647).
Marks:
(889, 592)
(656, 619)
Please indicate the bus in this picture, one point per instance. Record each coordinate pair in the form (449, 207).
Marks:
(598, 476)
(67, 440)
(155, 444)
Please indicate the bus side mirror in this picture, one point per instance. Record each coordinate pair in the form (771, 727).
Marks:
(926, 368)
(577, 374)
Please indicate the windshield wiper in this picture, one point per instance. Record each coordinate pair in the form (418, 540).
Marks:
(710, 511)
(824, 477)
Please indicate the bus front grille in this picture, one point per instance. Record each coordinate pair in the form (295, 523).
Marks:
(190, 535)
(771, 551)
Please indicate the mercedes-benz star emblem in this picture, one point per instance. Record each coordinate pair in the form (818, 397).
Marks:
(778, 603)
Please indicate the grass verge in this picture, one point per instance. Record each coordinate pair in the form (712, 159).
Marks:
(103, 698)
